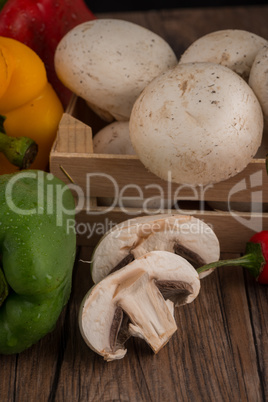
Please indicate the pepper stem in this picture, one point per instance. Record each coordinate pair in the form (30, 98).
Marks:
(2, 3)
(253, 260)
(3, 287)
(20, 151)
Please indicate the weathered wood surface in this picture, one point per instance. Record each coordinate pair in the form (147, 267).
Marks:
(220, 351)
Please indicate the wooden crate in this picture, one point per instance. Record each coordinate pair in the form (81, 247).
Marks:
(72, 160)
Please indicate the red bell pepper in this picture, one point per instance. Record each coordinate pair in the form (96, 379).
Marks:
(41, 25)
(255, 258)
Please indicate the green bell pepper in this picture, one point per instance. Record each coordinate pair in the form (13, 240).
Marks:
(37, 252)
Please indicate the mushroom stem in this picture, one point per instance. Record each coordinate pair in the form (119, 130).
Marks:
(253, 261)
(150, 315)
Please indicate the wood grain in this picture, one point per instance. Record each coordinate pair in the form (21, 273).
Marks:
(232, 229)
(103, 174)
(73, 160)
(214, 339)
(220, 351)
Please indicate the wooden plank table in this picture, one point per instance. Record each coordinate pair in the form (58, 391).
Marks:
(220, 351)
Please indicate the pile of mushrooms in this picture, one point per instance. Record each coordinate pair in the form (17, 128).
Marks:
(196, 121)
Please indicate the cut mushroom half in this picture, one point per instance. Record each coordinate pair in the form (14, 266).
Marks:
(232, 48)
(137, 301)
(183, 235)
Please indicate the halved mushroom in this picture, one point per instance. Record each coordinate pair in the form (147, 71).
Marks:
(233, 48)
(108, 62)
(183, 235)
(196, 124)
(137, 301)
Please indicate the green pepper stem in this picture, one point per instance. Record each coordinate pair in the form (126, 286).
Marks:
(253, 261)
(2, 3)
(3, 287)
(20, 151)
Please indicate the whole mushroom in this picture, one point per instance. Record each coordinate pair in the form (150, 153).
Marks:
(183, 235)
(113, 139)
(258, 80)
(233, 48)
(137, 301)
(108, 62)
(196, 124)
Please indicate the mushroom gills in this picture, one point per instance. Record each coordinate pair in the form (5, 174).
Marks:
(119, 333)
(175, 291)
(183, 235)
(193, 258)
(137, 300)
(125, 261)
(151, 317)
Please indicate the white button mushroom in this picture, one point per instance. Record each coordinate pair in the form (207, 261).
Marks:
(233, 48)
(137, 301)
(113, 139)
(258, 80)
(108, 62)
(183, 235)
(196, 124)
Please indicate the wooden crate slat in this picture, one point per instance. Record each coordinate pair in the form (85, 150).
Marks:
(72, 160)
(232, 229)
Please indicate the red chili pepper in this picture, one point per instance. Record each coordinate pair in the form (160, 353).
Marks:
(262, 239)
(255, 258)
(41, 25)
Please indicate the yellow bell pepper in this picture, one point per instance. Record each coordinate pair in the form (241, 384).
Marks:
(27, 100)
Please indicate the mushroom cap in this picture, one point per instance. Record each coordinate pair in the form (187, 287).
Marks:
(196, 124)
(139, 290)
(113, 139)
(108, 62)
(258, 79)
(233, 48)
(136, 237)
